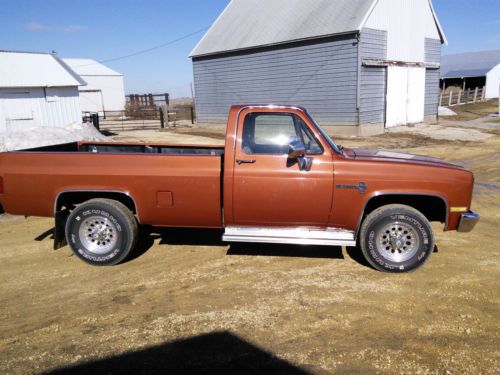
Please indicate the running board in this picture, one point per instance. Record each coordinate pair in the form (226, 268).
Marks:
(296, 236)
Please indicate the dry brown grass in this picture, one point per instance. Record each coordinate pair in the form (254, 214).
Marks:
(467, 112)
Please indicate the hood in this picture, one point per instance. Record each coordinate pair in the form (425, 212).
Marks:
(397, 157)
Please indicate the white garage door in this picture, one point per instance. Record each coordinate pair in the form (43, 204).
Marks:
(405, 95)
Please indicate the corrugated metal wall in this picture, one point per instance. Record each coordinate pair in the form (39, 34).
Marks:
(321, 76)
(432, 50)
(23, 108)
(432, 55)
(373, 79)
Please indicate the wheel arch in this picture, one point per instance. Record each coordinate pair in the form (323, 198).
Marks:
(68, 198)
(433, 206)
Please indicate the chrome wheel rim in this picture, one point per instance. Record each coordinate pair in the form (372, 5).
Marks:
(98, 234)
(398, 242)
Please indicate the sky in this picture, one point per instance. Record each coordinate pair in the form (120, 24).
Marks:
(106, 30)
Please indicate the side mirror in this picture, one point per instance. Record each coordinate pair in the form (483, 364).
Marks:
(296, 149)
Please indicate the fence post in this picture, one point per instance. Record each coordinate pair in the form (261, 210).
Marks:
(468, 95)
(192, 114)
(162, 118)
(441, 99)
(451, 96)
(483, 94)
(475, 94)
(459, 95)
(95, 120)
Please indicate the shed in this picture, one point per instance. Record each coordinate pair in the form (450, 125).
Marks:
(37, 89)
(473, 69)
(104, 91)
(358, 65)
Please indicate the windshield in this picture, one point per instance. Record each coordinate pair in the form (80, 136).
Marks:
(326, 136)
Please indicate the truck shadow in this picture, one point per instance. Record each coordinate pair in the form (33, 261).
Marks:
(213, 237)
(212, 353)
(280, 250)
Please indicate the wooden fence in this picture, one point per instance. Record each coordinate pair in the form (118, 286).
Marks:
(148, 100)
(456, 97)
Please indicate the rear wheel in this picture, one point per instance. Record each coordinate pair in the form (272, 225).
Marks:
(396, 238)
(101, 232)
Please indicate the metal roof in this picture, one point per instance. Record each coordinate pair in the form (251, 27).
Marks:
(470, 64)
(89, 67)
(31, 69)
(247, 24)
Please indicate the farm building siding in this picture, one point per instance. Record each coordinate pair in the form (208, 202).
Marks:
(432, 55)
(432, 50)
(22, 109)
(320, 75)
(103, 93)
(373, 45)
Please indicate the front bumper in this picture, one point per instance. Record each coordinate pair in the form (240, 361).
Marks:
(467, 222)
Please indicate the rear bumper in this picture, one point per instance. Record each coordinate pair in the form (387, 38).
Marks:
(467, 222)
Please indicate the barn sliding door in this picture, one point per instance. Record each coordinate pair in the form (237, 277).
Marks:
(405, 95)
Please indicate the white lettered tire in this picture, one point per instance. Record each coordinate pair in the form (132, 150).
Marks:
(101, 232)
(396, 238)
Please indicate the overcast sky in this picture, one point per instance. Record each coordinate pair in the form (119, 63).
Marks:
(104, 30)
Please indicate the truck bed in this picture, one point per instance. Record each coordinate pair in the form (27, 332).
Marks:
(170, 185)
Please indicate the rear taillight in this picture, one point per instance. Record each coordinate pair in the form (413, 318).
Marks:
(1, 185)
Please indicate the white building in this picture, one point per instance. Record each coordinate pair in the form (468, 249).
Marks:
(104, 91)
(473, 69)
(37, 89)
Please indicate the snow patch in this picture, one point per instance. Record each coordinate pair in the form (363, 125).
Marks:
(444, 111)
(47, 135)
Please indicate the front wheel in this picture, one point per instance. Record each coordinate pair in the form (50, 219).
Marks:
(396, 238)
(101, 232)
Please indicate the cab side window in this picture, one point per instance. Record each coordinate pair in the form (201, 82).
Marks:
(272, 133)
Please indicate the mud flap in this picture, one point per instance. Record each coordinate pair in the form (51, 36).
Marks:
(60, 229)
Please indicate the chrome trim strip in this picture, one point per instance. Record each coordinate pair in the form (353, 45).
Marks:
(467, 222)
(298, 236)
(98, 191)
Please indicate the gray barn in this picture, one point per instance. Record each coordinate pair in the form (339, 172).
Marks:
(358, 65)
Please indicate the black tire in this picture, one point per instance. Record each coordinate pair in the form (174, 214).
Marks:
(101, 232)
(396, 238)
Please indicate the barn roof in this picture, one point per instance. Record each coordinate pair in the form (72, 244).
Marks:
(33, 69)
(247, 24)
(89, 67)
(470, 64)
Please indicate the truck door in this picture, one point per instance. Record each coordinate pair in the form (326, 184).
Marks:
(269, 187)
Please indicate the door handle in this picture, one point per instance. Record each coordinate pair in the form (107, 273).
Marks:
(242, 161)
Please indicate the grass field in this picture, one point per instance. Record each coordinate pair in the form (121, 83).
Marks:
(467, 112)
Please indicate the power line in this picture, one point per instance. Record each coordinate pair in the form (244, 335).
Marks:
(149, 49)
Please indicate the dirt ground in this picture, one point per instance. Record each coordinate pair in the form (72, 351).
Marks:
(187, 303)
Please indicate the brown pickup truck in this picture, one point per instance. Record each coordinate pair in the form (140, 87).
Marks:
(279, 179)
